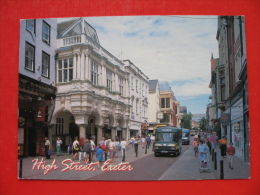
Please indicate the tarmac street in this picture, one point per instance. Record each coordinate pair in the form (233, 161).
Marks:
(144, 167)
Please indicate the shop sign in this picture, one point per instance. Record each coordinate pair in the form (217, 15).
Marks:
(144, 126)
(40, 114)
(225, 118)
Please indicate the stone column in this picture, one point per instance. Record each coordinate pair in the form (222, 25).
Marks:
(113, 133)
(124, 135)
(74, 66)
(78, 67)
(99, 133)
(87, 66)
(82, 65)
(82, 131)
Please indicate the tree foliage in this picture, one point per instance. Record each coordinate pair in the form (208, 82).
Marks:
(186, 121)
(203, 124)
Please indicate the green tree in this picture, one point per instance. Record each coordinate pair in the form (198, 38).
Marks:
(203, 124)
(186, 121)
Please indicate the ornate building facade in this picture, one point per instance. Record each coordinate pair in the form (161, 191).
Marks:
(92, 86)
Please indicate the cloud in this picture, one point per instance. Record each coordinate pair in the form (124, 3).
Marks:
(167, 48)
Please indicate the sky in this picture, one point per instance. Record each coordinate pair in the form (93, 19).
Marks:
(176, 49)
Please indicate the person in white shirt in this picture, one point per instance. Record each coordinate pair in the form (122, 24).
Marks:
(123, 146)
(143, 141)
(75, 152)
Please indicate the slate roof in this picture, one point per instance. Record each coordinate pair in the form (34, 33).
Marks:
(77, 29)
(64, 25)
(164, 86)
(152, 85)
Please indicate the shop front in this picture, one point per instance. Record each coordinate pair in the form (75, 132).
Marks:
(35, 103)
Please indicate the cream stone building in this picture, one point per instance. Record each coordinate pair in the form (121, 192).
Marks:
(138, 93)
(92, 86)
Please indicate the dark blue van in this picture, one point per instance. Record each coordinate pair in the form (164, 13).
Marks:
(185, 136)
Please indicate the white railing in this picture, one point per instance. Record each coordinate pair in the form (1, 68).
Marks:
(72, 40)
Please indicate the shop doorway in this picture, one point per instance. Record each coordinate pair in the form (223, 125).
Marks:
(32, 141)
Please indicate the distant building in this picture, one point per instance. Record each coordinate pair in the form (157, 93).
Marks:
(198, 117)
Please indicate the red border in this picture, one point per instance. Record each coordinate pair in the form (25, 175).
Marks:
(11, 11)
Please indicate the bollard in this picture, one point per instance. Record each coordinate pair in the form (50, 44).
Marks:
(221, 170)
(123, 160)
(106, 156)
(146, 149)
(136, 149)
(215, 160)
(21, 168)
(213, 155)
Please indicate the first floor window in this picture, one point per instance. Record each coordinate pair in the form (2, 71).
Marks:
(65, 70)
(109, 80)
(45, 64)
(165, 102)
(166, 118)
(121, 85)
(29, 56)
(59, 126)
(94, 73)
(222, 88)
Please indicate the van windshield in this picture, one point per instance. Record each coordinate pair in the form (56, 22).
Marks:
(185, 134)
(166, 137)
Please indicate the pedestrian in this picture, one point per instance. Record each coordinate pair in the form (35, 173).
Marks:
(231, 151)
(148, 141)
(75, 148)
(152, 139)
(223, 146)
(80, 151)
(123, 147)
(143, 142)
(69, 150)
(96, 149)
(132, 141)
(86, 150)
(100, 156)
(203, 150)
(58, 146)
(213, 141)
(195, 146)
(47, 147)
(136, 144)
(112, 150)
(118, 147)
(93, 145)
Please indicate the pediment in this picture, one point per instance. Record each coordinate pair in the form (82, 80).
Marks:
(77, 27)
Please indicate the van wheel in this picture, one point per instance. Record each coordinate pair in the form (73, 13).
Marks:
(156, 154)
(179, 151)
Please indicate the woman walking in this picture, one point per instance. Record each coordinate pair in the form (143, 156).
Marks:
(58, 144)
(112, 150)
(223, 146)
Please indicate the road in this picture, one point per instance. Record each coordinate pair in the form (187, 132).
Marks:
(146, 168)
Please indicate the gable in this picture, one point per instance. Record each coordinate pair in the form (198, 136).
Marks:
(75, 27)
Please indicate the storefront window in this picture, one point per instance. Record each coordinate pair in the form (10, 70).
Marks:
(237, 135)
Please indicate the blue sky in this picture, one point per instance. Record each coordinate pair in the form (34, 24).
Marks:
(176, 49)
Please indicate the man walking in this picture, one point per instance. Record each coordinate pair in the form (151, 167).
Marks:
(231, 151)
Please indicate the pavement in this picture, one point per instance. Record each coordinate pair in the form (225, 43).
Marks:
(187, 168)
(37, 172)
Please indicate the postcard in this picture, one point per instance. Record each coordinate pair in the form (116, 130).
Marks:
(133, 98)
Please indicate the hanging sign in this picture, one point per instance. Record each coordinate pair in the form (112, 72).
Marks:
(40, 114)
